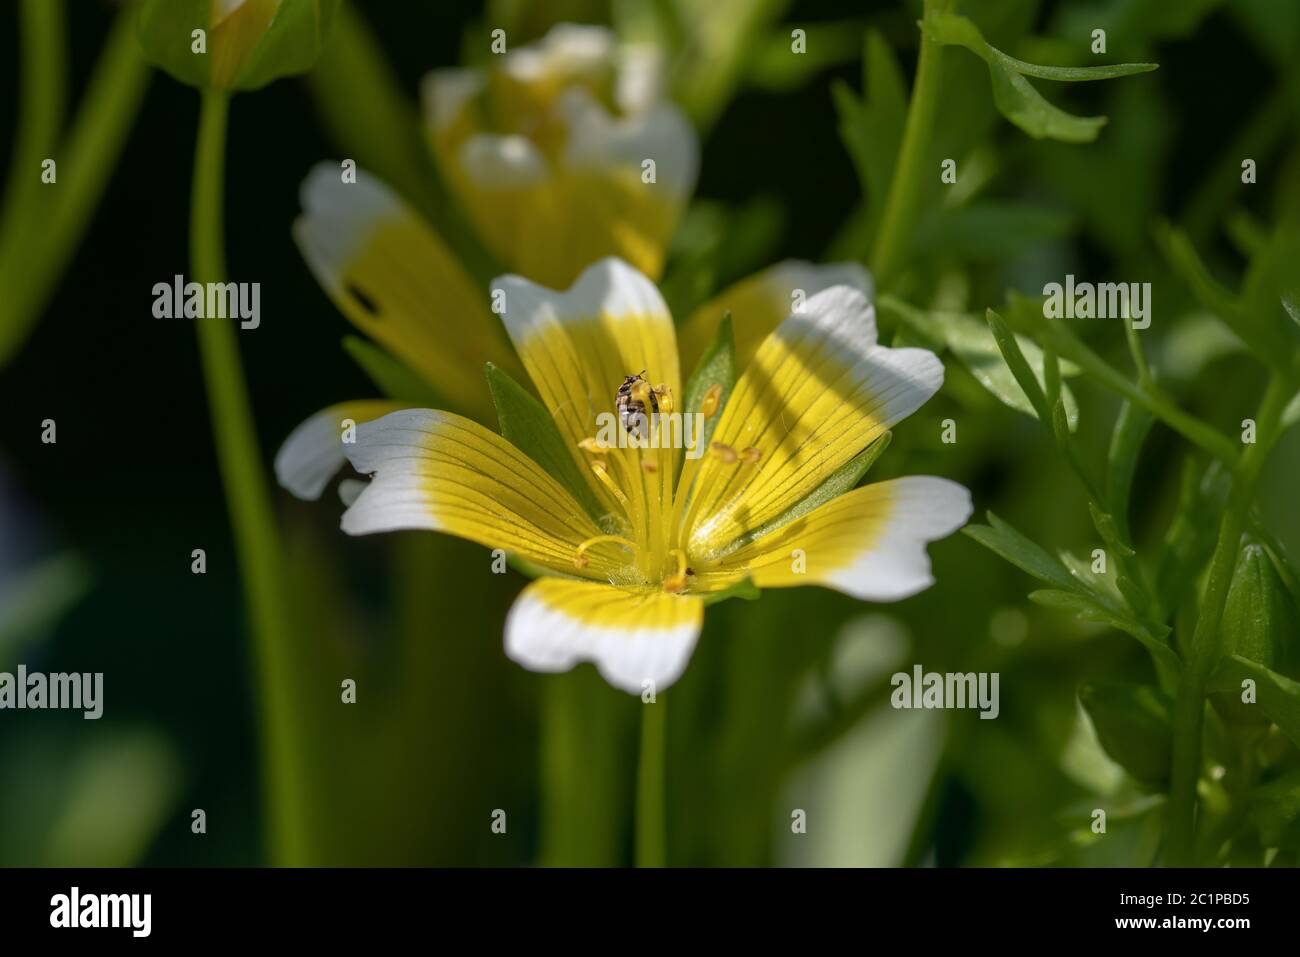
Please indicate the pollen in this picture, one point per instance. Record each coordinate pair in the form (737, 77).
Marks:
(712, 399)
(723, 452)
(677, 582)
(751, 456)
(664, 397)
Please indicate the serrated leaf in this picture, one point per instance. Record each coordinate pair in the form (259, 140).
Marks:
(1277, 696)
(392, 376)
(527, 425)
(1133, 725)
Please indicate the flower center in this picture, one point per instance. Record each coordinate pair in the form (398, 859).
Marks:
(649, 500)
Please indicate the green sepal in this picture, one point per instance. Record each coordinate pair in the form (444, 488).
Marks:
(1259, 624)
(527, 425)
(745, 589)
(843, 479)
(392, 376)
(289, 44)
(716, 367)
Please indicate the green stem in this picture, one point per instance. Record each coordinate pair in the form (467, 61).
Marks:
(586, 785)
(242, 476)
(38, 239)
(44, 84)
(651, 828)
(899, 218)
(1207, 642)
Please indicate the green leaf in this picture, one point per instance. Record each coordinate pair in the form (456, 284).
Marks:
(1274, 808)
(1030, 384)
(716, 367)
(1020, 551)
(989, 230)
(1014, 96)
(259, 41)
(1133, 725)
(843, 479)
(1277, 696)
(1091, 608)
(1132, 426)
(393, 377)
(527, 425)
(829, 43)
(744, 589)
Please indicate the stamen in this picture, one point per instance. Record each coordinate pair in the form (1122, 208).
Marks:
(712, 399)
(751, 456)
(649, 467)
(723, 452)
(602, 473)
(676, 583)
(664, 395)
(579, 556)
(589, 444)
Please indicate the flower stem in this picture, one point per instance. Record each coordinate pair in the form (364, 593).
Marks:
(651, 829)
(42, 222)
(899, 218)
(242, 476)
(1207, 641)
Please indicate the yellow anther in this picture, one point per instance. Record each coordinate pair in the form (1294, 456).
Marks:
(579, 554)
(751, 456)
(723, 452)
(591, 445)
(664, 397)
(602, 473)
(712, 399)
(641, 391)
(676, 583)
(649, 467)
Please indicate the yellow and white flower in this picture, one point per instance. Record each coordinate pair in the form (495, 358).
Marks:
(548, 150)
(627, 580)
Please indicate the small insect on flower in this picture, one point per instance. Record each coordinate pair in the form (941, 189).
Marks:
(634, 395)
